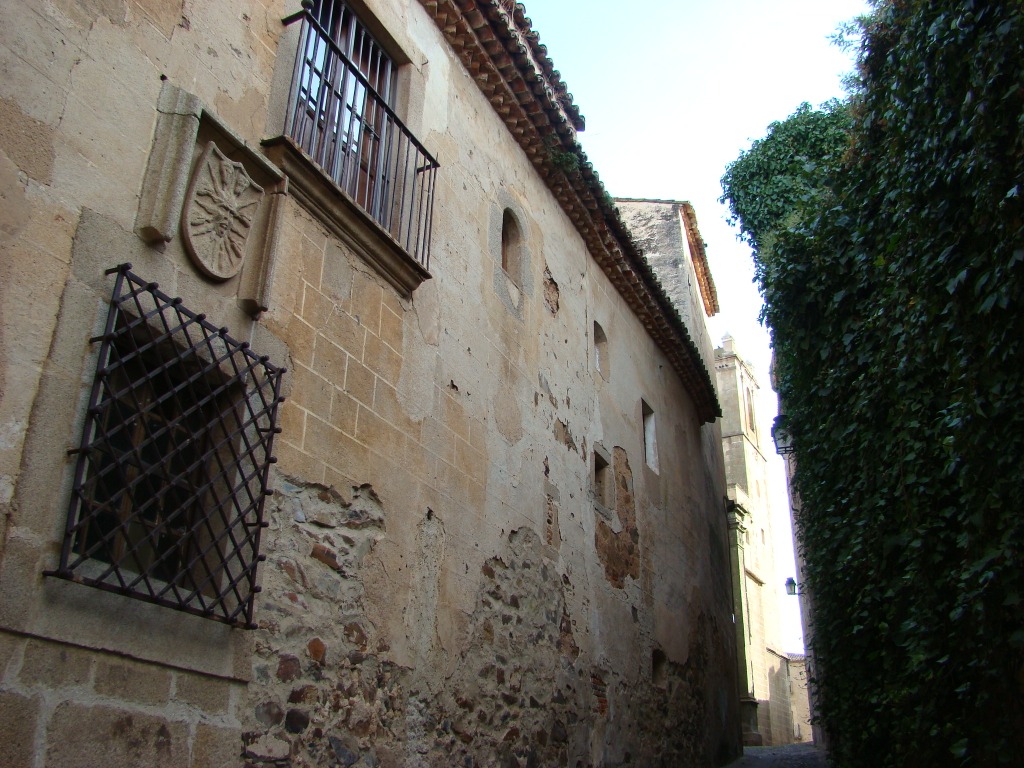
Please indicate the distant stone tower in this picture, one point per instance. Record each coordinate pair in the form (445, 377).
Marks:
(763, 666)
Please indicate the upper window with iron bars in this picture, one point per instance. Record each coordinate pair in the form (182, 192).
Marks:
(342, 115)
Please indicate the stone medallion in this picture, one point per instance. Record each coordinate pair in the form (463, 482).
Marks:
(219, 210)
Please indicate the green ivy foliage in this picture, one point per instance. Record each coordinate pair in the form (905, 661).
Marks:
(893, 282)
(781, 174)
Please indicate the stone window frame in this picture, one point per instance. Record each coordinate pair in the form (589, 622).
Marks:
(650, 436)
(162, 369)
(603, 481)
(511, 247)
(312, 186)
(512, 286)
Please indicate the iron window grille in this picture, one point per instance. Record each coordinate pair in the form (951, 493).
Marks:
(341, 115)
(173, 466)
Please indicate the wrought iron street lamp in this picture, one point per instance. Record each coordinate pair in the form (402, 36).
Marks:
(781, 436)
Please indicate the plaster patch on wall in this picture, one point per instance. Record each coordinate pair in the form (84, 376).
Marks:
(428, 312)
(114, 11)
(27, 142)
(248, 110)
(164, 14)
(507, 416)
(620, 550)
(546, 389)
(421, 610)
(417, 373)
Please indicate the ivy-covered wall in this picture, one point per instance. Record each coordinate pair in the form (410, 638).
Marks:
(891, 265)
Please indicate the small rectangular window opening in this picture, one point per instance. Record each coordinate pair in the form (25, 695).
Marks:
(751, 423)
(602, 481)
(659, 671)
(650, 436)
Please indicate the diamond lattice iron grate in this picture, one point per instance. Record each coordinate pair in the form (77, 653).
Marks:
(173, 466)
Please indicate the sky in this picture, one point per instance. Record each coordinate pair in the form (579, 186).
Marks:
(673, 91)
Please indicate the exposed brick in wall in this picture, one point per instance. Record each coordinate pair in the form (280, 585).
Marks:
(322, 689)
(620, 550)
(550, 292)
(552, 536)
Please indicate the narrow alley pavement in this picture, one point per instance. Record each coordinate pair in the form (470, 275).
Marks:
(788, 756)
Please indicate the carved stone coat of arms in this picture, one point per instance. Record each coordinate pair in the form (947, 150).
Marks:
(219, 210)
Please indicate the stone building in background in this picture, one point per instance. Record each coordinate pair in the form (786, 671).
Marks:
(343, 422)
(805, 672)
(800, 698)
(773, 700)
(773, 692)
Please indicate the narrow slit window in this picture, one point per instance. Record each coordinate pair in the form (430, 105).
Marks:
(650, 436)
(511, 247)
(751, 423)
(602, 481)
(601, 362)
(659, 664)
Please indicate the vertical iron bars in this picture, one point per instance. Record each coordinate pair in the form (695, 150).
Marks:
(340, 117)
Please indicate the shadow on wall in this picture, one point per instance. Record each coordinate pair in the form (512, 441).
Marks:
(780, 710)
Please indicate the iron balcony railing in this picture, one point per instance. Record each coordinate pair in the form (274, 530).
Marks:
(338, 117)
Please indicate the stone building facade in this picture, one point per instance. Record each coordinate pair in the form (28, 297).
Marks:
(343, 422)
(772, 698)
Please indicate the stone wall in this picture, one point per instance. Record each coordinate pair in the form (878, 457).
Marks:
(661, 230)
(441, 585)
(65, 705)
(802, 730)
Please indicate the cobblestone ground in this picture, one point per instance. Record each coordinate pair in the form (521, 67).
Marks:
(789, 756)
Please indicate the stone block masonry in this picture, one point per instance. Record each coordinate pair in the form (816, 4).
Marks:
(85, 708)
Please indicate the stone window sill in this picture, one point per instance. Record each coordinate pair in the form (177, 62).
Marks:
(312, 188)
